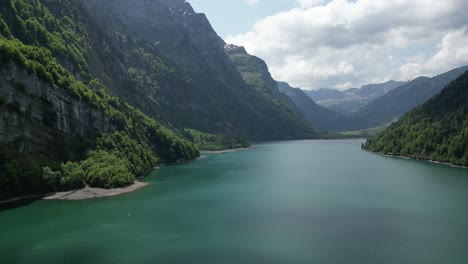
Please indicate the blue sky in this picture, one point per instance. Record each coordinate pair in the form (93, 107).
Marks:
(234, 17)
(340, 44)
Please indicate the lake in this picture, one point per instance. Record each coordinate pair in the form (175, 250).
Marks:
(282, 202)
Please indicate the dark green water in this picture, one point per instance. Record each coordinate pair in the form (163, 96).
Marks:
(290, 202)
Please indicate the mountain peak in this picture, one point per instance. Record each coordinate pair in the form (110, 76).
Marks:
(234, 49)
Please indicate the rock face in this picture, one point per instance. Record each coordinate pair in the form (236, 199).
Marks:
(37, 118)
(171, 25)
(196, 85)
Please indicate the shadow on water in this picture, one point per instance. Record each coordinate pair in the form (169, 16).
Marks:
(17, 204)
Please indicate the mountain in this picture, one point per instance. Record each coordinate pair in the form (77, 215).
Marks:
(320, 117)
(403, 99)
(60, 128)
(49, 118)
(98, 92)
(173, 66)
(325, 94)
(255, 73)
(349, 101)
(436, 130)
(385, 102)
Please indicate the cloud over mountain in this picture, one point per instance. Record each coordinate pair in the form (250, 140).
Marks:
(343, 43)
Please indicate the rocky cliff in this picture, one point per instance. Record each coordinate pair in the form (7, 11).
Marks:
(38, 119)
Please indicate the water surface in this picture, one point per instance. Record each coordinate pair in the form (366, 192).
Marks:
(288, 202)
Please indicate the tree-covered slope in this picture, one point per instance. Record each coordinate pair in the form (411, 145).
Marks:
(59, 126)
(436, 130)
(210, 142)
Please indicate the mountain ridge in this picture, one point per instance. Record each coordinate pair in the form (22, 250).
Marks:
(351, 100)
(256, 74)
(404, 98)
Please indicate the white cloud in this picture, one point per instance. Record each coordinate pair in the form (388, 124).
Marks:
(347, 42)
(452, 53)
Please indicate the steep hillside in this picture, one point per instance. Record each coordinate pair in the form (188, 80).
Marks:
(255, 73)
(320, 118)
(403, 99)
(49, 118)
(351, 100)
(436, 130)
(83, 83)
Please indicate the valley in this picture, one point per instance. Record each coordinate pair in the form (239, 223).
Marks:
(131, 131)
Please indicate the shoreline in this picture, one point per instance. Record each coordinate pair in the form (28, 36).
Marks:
(79, 194)
(420, 159)
(93, 193)
(224, 151)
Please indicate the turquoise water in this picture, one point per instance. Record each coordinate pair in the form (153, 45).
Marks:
(288, 202)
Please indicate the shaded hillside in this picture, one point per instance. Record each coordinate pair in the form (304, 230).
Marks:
(320, 118)
(436, 130)
(172, 64)
(255, 73)
(403, 99)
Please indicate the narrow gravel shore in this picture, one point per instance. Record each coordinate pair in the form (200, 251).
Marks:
(91, 193)
(223, 151)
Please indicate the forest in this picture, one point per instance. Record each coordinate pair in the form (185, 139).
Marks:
(436, 130)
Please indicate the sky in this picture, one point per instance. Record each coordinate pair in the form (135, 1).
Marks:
(340, 44)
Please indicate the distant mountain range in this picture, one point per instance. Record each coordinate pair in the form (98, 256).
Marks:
(436, 130)
(402, 99)
(371, 106)
(351, 100)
